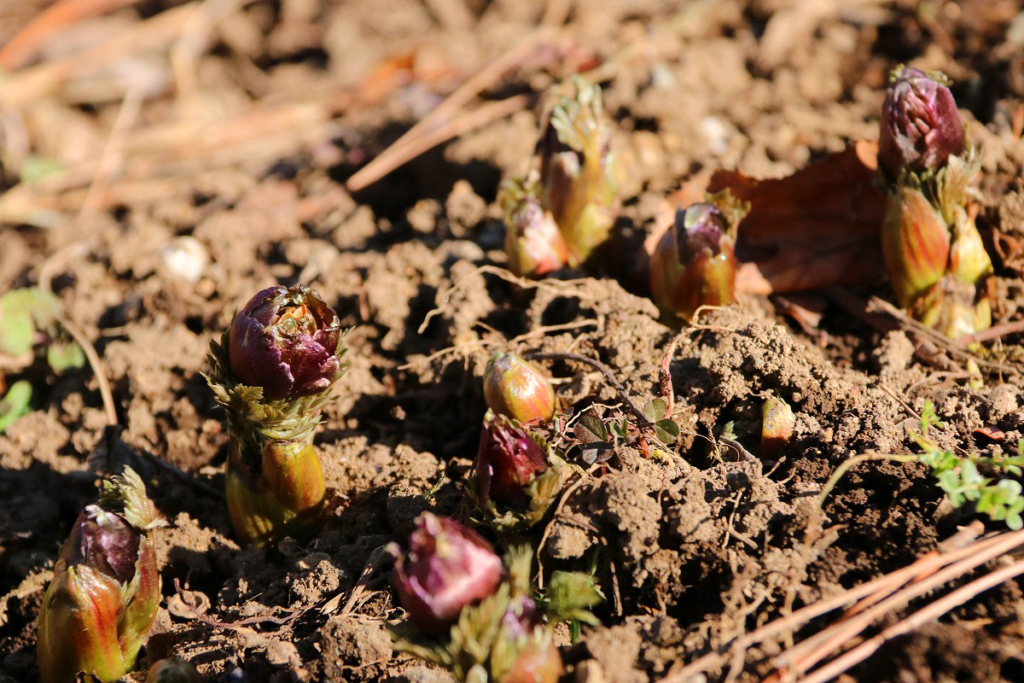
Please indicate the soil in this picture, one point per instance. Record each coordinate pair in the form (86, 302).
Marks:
(694, 549)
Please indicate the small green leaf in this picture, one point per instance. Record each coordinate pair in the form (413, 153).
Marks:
(15, 403)
(667, 431)
(655, 409)
(62, 357)
(23, 312)
(1014, 521)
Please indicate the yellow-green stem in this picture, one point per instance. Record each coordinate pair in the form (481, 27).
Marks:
(285, 498)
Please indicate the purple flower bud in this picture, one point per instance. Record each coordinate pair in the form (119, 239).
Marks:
(447, 568)
(508, 459)
(105, 542)
(921, 125)
(285, 340)
(693, 264)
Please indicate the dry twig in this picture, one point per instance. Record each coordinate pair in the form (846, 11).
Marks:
(399, 152)
(951, 346)
(452, 13)
(492, 111)
(807, 654)
(986, 549)
(95, 363)
(37, 82)
(926, 614)
(995, 332)
(110, 158)
(50, 23)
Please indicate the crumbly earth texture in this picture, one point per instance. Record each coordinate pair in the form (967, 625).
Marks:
(692, 548)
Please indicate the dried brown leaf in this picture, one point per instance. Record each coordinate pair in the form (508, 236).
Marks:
(814, 229)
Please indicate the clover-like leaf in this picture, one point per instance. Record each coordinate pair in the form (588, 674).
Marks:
(590, 429)
(667, 431)
(655, 409)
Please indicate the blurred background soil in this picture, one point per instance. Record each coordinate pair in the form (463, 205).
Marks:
(161, 161)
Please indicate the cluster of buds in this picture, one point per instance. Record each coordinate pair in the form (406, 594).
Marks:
(518, 472)
(469, 611)
(936, 260)
(105, 590)
(272, 373)
(562, 214)
(694, 262)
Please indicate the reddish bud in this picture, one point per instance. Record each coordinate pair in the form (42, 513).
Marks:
(447, 568)
(533, 242)
(694, 264)
(577, 170)
(915, 244)
(286, 499)
(105, 590)
(538, 662)
(777, 424)
(515, 388)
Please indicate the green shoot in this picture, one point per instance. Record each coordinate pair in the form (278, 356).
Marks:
(959, 476)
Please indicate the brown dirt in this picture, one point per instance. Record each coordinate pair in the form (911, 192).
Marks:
(692, 550)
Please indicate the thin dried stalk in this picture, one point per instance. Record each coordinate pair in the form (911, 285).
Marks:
(822, 645)
(48, 24)
(925, 566)
(399, 152)
(39, 81)
(926, 614)
(487, 113)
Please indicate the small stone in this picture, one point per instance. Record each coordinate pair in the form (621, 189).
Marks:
(185, 258)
